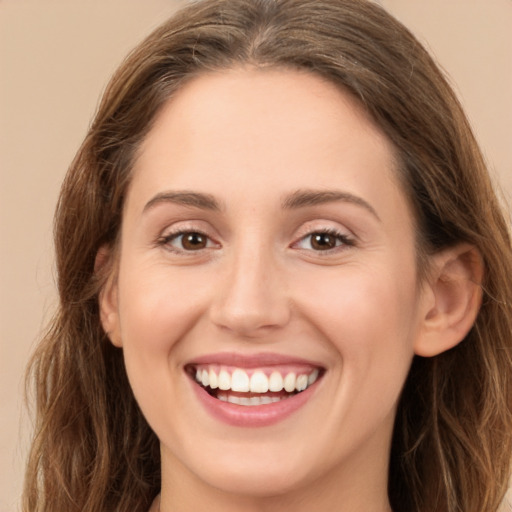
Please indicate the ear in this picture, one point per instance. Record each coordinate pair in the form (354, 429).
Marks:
(455, 297)
(104, 268)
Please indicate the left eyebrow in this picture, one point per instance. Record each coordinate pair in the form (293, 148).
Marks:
(308, 197)
(185, 198)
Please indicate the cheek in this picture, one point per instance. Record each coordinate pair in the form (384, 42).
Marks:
(157, 306)
(157, 309)
(354, 301)
(368, 317)
(366, 320)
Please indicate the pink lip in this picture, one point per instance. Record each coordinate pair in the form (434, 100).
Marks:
(258, 415)
(252, 360)
(253, 416)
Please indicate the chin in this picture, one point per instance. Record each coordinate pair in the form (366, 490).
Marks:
(259, 473)
(265, 483)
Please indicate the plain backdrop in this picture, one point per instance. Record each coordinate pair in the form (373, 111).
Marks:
(55, 59)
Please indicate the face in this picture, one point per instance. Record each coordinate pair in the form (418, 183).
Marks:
(266, 243)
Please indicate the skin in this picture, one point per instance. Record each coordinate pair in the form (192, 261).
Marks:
(250, 139)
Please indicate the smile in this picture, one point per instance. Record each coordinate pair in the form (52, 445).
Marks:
(255, 391)
(253, 387)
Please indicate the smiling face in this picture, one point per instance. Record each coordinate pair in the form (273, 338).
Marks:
(266, 242)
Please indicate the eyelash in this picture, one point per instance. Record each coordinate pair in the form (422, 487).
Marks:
(344, 240)
(167, 239)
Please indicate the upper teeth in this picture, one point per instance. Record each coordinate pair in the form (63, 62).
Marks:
(239, 380)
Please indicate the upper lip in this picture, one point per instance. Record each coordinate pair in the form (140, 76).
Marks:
(251, 360)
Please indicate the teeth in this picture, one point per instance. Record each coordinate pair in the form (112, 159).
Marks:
(289, 382)
(258, 382)
(214, 381)
(250, 401)
(275, 383)
(224, 380)
(240, 381)
(312, 377)
(234, 400)
(301, 383)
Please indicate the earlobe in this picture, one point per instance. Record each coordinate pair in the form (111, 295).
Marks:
(455, 286)
(107, 299)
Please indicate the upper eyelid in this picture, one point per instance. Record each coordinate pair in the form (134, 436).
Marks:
(180, 232)
(188, 226)
(324, 226)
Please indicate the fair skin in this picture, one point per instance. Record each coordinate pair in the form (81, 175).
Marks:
(265, 225)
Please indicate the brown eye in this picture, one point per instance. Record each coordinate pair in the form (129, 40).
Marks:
(186, 241)
(323, 241)
(193, 241)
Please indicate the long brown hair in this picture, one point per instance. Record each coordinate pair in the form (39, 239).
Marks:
(93, 450)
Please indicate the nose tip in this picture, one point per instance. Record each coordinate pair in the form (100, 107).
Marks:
(248, 322)
(251, 303)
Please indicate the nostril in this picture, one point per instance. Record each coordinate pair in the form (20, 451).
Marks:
(249, 322)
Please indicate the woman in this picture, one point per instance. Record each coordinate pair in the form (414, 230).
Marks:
(284, 279)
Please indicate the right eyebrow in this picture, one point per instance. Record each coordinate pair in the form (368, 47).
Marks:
(185, 198)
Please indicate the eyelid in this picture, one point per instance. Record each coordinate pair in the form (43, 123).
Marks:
(323, 226)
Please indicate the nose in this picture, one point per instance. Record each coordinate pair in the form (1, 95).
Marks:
(252, 300)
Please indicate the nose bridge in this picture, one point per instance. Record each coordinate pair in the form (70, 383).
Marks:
(252, 298)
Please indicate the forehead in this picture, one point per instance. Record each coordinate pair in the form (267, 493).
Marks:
(263, 131)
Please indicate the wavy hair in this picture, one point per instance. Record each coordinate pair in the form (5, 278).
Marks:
(93, 450)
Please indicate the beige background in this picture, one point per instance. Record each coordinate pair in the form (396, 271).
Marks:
(55, 59)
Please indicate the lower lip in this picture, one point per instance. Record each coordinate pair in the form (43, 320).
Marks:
(255, 415)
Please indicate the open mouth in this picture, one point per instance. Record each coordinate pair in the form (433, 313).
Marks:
(252, 387)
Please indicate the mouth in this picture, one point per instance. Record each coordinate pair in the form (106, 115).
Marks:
(251, 387)
(255, 390)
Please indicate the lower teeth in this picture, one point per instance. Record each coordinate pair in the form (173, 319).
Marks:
(249, 401)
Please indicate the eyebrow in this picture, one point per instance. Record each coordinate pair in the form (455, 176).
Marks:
(307, 197)
(298, 199)
(185, 198)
